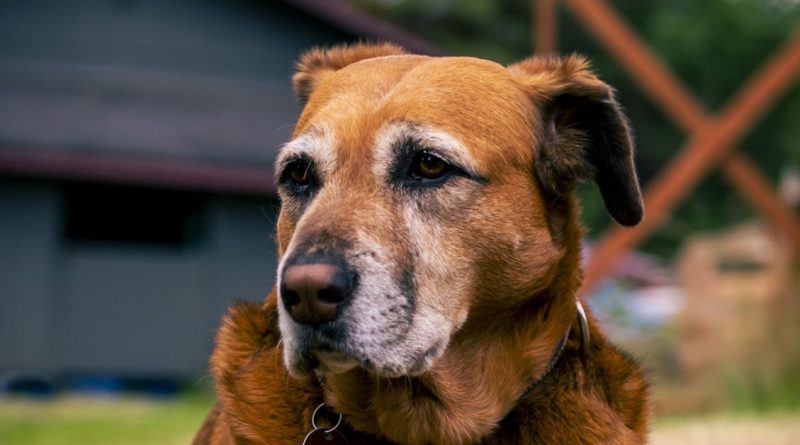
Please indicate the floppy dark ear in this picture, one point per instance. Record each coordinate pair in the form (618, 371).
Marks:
(316, 63)
(583, 135)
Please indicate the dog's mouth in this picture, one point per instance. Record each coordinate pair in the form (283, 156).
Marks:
(329, 361)
(323, 350)
(317, 353)
(324, 358)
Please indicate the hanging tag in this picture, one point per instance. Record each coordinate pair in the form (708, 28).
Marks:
(319, 436)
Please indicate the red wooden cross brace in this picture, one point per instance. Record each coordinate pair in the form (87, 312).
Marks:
(711, 137)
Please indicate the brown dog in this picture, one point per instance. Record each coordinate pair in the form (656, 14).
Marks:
(430, 248)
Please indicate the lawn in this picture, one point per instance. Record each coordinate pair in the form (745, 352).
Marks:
(122, 421)
(112, 421)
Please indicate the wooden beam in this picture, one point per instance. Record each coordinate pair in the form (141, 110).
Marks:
(663, 87)
(651, 74)
(545, 26)
(656, 80)
(753, 185)
(704, 149)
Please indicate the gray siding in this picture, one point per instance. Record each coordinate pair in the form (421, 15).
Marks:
(122, 309)
(29, 223)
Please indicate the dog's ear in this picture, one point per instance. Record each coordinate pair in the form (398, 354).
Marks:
(315, 64)
(582, 134)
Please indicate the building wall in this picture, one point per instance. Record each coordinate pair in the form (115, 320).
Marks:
(70, 306)
(28, 237)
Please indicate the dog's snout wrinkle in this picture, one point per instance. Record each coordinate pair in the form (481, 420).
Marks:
(312, 293)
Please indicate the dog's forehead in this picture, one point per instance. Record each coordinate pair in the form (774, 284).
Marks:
(476, 101)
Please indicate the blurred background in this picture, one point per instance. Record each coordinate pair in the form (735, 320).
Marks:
(137, 200)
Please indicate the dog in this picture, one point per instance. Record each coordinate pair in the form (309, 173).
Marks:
(429, 251)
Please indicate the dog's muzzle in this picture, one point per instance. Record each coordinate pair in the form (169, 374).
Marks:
(342, 310)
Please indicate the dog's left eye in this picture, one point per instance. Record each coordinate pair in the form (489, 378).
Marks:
(426, 165)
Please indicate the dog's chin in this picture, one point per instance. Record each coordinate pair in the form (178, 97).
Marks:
(317, 362)
(333, 362)
(337, 348)
(327, 362)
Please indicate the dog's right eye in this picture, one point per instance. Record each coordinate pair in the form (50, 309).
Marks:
(298, 175)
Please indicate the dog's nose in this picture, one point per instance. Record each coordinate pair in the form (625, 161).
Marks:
(313, 293)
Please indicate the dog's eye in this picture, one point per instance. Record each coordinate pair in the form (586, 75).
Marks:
(299, 175)
(426, 165)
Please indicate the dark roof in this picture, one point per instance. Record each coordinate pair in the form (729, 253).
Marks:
(200, 104)
(358, 22)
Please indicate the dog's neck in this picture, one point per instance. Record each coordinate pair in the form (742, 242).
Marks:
(473, 386)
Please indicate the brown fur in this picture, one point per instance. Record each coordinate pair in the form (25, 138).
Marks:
(532, 130)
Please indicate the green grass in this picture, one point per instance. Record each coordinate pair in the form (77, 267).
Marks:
(761, 395)
(87, 421)
(122, 421)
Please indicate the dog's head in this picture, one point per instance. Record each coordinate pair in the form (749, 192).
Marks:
(416, 189)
